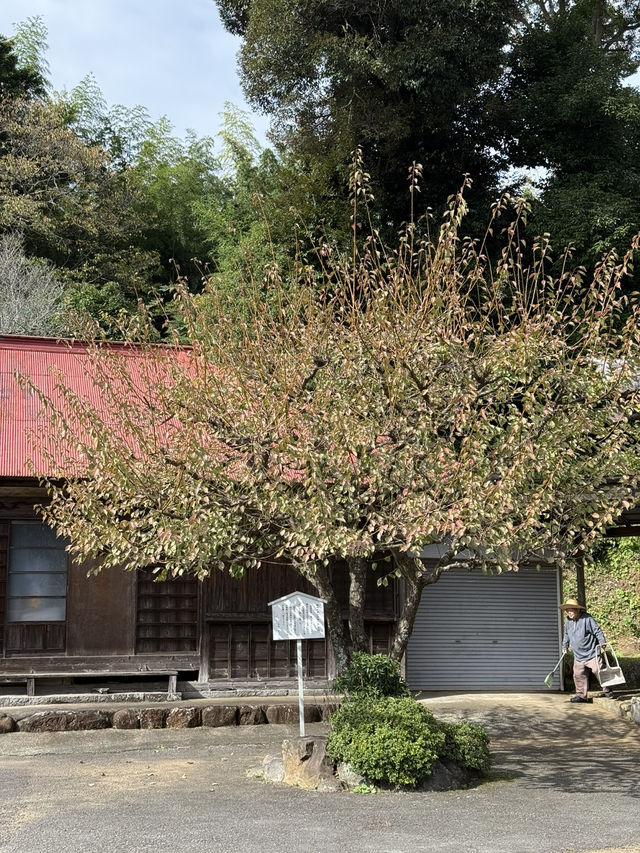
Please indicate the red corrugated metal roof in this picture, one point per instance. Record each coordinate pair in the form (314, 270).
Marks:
(46, 362)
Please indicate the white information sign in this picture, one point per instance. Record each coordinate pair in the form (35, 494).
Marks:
(297, 616)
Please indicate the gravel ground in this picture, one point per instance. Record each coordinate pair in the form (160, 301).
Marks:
(566, 778)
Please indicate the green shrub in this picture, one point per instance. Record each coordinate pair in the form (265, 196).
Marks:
(371, 676)
(386, 739)
(467, 745)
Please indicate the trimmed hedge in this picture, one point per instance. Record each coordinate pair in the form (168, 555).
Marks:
(386, 736)
(397, 740)
(387, 739)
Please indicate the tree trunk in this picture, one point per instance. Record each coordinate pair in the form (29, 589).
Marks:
(321, 579)
(357, 589)
(415, 580)
(598, 21)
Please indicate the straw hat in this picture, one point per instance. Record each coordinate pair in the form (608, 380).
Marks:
(572, 604)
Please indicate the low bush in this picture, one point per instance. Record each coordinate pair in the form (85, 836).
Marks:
(371, 676)
(386, 739)
(467, 745)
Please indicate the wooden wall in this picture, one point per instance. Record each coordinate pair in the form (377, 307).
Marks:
(4, 551)
(118, 619)
(112, 619)
(237, 641)
(100, 612)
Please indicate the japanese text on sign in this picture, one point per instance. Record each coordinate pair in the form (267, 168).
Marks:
(298, 617)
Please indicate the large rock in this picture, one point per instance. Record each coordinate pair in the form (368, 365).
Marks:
(7, 724)
(153, 718)
(66, 721)
(289, 714)
(126, 718)
(635, 709)
(306, 763)
(183, 718)
(446, 775)
(219, 715)
(251, 715)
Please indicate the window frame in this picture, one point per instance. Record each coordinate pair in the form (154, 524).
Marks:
(11, 597)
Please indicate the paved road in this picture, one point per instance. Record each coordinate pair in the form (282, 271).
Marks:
(567, 779)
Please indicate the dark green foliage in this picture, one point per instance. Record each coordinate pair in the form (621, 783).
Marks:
(372, 677)
(387, 739)
(460, 89)
(407, 81)
(467, 745)
(569, 111)
(15, 81)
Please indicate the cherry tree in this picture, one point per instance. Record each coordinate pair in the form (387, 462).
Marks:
(373, 405)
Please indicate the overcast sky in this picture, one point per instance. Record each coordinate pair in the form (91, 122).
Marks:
(171, 56)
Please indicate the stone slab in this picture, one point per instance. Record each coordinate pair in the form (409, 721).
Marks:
(66, 721)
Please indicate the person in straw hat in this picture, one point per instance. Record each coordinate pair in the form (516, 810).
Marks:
(585, 636)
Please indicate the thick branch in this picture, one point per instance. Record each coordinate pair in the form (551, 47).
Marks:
(415, 581)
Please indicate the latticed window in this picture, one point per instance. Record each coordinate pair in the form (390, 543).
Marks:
(167, 614)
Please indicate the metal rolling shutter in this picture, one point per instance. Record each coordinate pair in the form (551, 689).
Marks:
(486, 631)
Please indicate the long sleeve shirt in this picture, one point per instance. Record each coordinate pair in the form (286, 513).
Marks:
(584, 635)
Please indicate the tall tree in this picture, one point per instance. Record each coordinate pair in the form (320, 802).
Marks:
(407, 81)
(30, 45)
(23, 67)
(462, 89)
(432, 400)
(71, 206)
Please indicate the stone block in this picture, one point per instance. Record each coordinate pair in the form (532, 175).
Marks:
(126, 718)
(153, 718)
(289, 714)
(348, 776)
(66, 721)
(251, 715)
(273, 769)
(306, 762)
(219, 715)
(183, 718)
(7, 724)
(635, 709)
(329, 785)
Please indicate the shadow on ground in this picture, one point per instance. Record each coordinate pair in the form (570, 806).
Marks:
(547, 742)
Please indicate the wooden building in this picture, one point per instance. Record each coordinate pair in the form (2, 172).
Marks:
(56, 620)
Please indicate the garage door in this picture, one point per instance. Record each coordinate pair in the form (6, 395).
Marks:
(486, 631)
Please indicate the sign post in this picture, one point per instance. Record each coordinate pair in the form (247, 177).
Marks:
(299, 617)
(300, 689)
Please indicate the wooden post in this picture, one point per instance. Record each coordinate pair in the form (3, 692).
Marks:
(580, 585)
